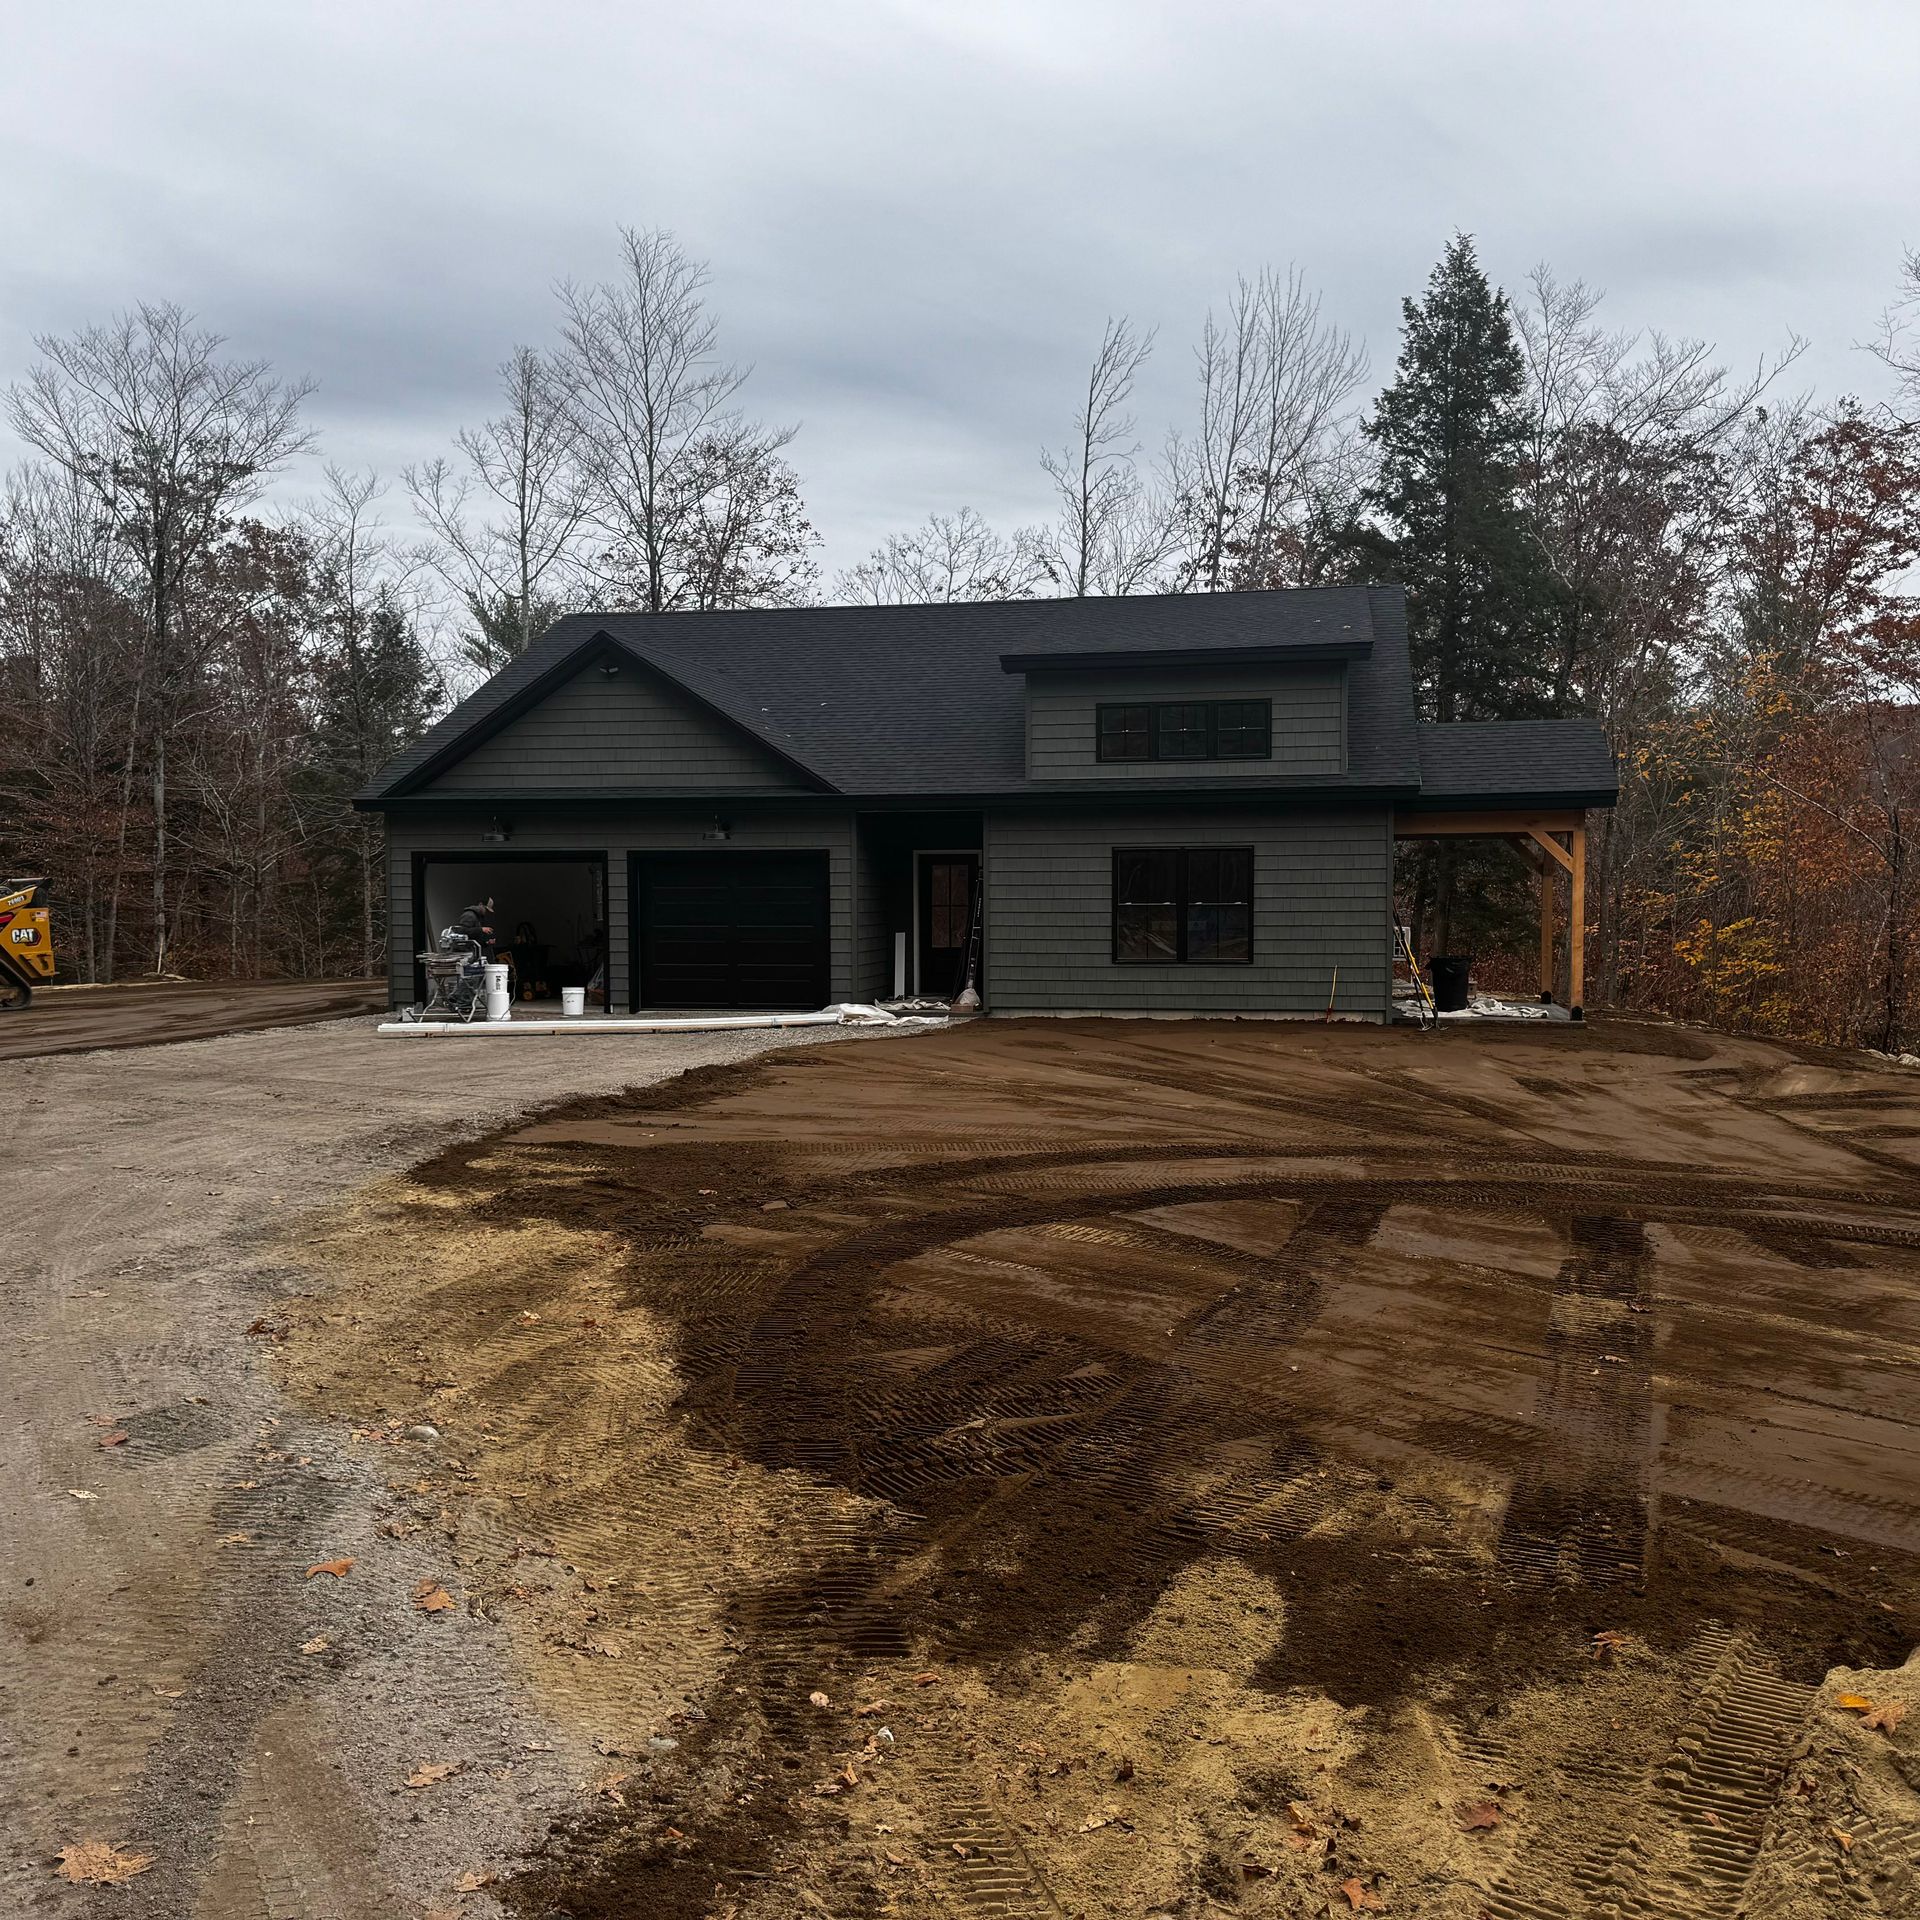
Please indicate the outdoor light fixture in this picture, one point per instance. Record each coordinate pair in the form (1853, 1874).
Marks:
(609, 668)
(496, 830)
(720, 830)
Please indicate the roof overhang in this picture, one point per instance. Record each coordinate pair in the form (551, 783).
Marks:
(1159, 659)
(597, 645)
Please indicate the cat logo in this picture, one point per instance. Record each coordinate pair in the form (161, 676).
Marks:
(26, 953)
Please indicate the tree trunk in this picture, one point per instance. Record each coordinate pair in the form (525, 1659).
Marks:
(159, 850)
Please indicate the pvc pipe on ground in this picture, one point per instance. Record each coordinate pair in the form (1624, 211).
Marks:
(713, 1023)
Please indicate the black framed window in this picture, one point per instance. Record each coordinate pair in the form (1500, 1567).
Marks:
(1126, 733)
(1182, 730)
(1243, 729)
(1190, 905)
(1186, 730)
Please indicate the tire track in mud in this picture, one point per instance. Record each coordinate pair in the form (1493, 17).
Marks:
(1580, 1510)
(1693, 1832)
(1035, 1429)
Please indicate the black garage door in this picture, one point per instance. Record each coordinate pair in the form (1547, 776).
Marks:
(731, 930)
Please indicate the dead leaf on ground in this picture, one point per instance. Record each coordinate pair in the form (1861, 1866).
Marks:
(80, 1493)
(609, 1788)
(872, 1707)
(113, 1439)
(1361, 1898)
(338, 1568)
(436, 1771)
(473, 1882)
(1100, 1817)
(1845, 1839)
(318, 1644)
(1885, 1718)
(430, 1597)
(96, 1863)
(168, 1693)
(818, 1699)
(1477, 1814)
(926, 1679)
(1608, 1642)
(1854, 1702)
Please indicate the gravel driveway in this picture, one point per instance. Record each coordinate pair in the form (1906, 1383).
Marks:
(159, 1504)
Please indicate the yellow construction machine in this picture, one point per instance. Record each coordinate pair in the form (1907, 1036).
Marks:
(26, 943)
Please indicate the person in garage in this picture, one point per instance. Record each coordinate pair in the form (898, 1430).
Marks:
(476, 922)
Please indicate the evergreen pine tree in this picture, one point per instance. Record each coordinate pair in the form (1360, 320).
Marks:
(1449, 520)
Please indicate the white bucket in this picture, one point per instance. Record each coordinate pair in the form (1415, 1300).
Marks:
(573, 1002)
(499, 1000)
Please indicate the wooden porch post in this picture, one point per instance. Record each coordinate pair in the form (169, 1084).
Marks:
(1546, 931)
(1577, 927)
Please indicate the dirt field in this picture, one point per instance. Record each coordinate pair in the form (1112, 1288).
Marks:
(149, 1013)
(1148, 1469)
(1050, 1468)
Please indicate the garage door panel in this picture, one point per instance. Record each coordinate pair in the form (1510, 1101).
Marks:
(732, 930)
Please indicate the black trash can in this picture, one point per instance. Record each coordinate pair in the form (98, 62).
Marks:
(1448, 973)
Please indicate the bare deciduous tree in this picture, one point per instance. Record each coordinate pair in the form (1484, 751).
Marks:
(70, 646)
(170, 441)
(1112, 535)
(950, 557)
(505, 527)
(1899, 342)
(363, 580)
(673, 471)
(1277, 384)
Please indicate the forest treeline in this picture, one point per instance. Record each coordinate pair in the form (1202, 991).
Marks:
(194, 679)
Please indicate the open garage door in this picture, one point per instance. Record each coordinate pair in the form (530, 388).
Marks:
(733, 930)
(550, 913)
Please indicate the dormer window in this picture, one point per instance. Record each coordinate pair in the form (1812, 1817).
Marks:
(1186, 730)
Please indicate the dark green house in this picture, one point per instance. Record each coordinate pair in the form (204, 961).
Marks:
(1166, 804)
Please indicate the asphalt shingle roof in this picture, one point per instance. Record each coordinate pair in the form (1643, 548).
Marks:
(1567, 761)
(896, 702)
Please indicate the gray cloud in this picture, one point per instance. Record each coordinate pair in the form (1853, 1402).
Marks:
(918, 215)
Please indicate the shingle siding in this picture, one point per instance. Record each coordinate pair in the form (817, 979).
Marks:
(618, 832)
(632, 729)
(1309, 712)
(1323, 889)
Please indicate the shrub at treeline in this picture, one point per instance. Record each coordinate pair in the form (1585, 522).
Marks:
(1587, 522)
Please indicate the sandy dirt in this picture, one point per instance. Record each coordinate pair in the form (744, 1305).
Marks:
(1199, 1467)
(151, 1013)
(1039, 1469)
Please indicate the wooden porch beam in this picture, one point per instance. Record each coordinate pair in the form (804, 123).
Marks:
(1553, 846)
(1577, 928)
(1548, 885)
(1426, 826)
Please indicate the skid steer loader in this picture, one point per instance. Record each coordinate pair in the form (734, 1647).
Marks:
(26, 943)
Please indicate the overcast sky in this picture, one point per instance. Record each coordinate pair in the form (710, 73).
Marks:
(919, 215)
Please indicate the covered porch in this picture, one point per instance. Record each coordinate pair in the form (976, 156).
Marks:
(1554, 843)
